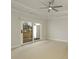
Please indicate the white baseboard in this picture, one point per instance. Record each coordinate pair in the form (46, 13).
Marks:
(59, 40)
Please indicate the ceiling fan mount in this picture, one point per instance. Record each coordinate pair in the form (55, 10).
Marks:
(50, 6)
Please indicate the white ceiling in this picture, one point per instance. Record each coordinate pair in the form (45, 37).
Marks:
(34, 5)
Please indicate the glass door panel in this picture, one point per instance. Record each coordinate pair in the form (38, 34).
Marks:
(27, 32)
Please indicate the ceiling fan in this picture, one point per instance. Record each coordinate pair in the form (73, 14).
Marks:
(50, 6)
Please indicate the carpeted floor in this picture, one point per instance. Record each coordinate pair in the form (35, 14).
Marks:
(41, 50)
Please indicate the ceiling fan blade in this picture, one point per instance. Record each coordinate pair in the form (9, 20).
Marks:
(43, 3)
(55, 9)
(57, 6)
(44, 7)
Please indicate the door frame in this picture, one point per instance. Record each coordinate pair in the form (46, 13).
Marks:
(32, 31)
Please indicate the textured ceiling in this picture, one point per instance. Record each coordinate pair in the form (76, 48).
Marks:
(36, 4)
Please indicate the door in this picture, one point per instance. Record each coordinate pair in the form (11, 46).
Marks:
(27, 32)
(36, 31)
(30, 31)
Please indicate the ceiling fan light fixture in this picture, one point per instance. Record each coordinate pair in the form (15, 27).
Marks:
(50, 8)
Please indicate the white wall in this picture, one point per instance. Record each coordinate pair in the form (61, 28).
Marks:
(58, 28)
(55, 28)
(16, 20)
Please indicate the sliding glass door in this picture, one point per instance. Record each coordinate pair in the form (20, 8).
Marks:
(30, 31)
(36, 31)
(27, 32)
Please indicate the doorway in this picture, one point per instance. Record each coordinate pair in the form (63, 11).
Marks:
(27, 32)
(36, 31)
(30, 32)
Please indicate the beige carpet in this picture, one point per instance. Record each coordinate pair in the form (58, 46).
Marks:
(41, 50)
